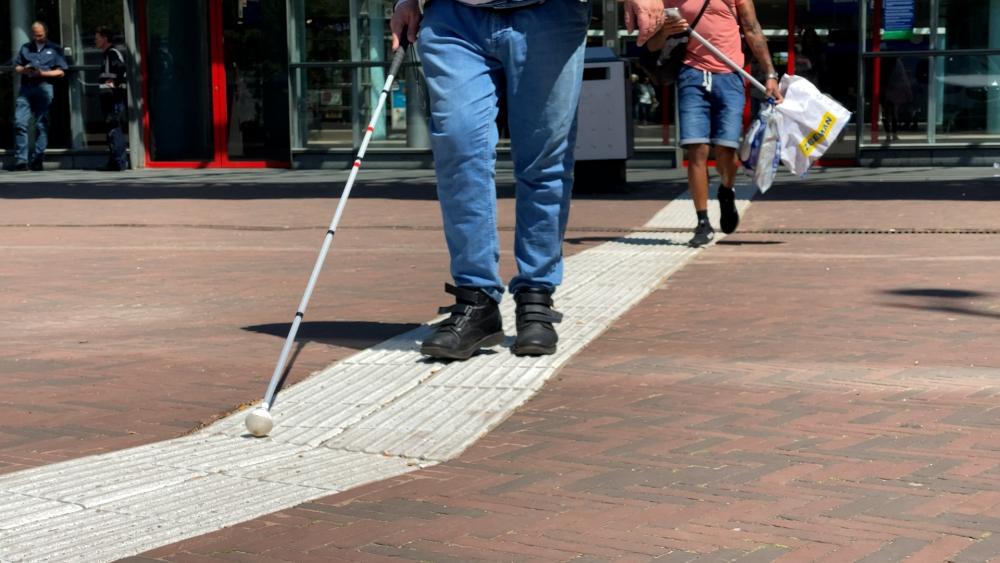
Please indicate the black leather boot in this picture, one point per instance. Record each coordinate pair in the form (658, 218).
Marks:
(535, 334)
(474, 323)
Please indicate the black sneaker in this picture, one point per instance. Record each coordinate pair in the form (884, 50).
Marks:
(730, 218)
(20, 166)
(35, 166)
(535, 334)
(703, 234)
(475, 323)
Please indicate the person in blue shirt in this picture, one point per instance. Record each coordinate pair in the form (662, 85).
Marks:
(39, 63)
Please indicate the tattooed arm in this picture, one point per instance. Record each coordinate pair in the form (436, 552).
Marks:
(758, 45)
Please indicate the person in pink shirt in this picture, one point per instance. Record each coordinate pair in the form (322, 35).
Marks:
(710, 97)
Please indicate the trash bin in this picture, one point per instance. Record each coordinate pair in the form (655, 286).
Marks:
(605, 139)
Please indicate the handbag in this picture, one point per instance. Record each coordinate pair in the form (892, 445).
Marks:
(664, 67)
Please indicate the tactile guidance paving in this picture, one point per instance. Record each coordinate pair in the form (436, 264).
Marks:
(380, 413)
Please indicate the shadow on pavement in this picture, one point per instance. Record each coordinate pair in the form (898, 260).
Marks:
(937, 292)
(728, 242)
(357, 335)
(985, 189)
(939, 300)
(417, 190)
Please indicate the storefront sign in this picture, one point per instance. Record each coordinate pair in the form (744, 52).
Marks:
(898, 21)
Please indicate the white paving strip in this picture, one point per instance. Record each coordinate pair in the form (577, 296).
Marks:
(378, 414)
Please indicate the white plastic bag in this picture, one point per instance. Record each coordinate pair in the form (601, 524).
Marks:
(759, 151)
(810, 122)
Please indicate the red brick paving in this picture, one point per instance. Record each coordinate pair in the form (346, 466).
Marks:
(120, 336)
(782, 398)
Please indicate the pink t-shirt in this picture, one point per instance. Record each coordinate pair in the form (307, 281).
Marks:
(718, 26)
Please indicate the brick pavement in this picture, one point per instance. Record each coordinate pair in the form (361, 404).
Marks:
(134, 313)
(781, 398)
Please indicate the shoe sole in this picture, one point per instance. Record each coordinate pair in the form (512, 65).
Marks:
(494, 339)
(534, 350)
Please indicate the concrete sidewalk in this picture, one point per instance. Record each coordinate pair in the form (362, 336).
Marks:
(783, 397)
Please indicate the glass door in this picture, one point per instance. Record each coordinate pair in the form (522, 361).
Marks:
(215, 81)
(177, 83)
(255, 57)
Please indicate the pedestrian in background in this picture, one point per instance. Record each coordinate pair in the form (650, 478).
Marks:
(711, 98)
(647, 97)
(636, 90)
(113, 98)
(40, 62)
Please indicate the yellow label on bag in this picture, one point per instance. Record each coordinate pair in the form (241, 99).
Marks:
(819, 135)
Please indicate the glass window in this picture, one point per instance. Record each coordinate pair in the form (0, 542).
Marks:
(327, 107)
(334, 102)
(969, 99)
(970, 24)
(826, 53)
(327, 30)
(256, 60)
(895, 108)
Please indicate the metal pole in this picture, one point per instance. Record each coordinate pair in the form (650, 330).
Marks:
(355, 9)
(133, 78)
(20, 20)
(610, 25)
(418, 107)
(70, 30)
(932, 98)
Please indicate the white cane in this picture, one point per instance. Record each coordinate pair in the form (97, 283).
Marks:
(675, 14)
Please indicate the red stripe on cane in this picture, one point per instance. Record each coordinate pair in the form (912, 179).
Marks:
(357, 164)
(371, 129)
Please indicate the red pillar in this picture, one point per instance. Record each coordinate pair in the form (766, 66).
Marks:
(791, 38)
(877, 68)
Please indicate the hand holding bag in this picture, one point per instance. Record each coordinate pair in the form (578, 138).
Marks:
(663, 67)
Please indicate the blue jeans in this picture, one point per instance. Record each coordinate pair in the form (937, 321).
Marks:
(470, 56)
(710, 107)
(32, 100)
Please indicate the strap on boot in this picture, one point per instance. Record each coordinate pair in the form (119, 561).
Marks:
(467, 301)
(472, 296)
(536, 307)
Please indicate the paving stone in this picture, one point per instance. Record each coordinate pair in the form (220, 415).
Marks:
(778, 371)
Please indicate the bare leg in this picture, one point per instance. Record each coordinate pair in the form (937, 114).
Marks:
(698, 175)
(725, 165)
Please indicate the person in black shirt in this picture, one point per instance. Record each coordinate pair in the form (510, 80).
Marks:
(113, 98)
(39, 63)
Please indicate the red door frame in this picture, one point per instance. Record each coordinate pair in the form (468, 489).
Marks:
(876, 68)
(220, 117)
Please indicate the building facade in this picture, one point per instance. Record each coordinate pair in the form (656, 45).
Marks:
(281, 83)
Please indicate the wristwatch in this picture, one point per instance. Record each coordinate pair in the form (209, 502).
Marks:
(773, 75)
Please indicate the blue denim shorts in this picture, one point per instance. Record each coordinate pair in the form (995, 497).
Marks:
(711, 107)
